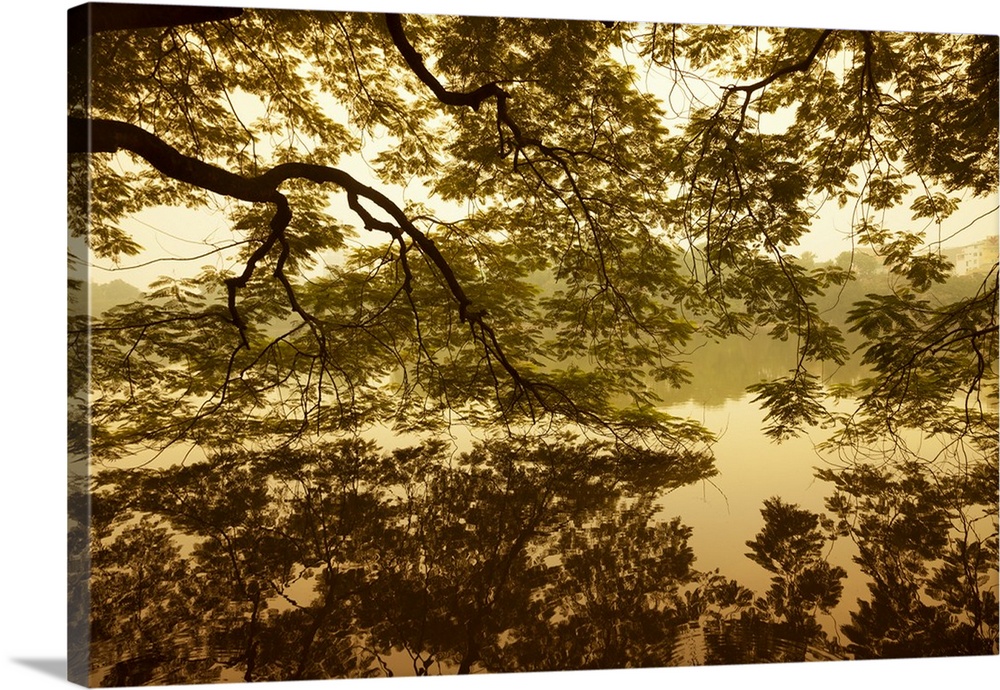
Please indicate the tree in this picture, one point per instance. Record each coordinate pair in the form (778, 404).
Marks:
(349, 561)
(927, 541)
(568, 178)
(790, 545)
(432, 225)
(450, 306)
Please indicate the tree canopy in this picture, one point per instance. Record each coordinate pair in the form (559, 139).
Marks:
(521, 229)
(568, 232)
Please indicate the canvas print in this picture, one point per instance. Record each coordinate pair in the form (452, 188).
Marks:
(411, 344)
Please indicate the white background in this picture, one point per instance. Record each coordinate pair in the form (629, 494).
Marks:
(32, 271)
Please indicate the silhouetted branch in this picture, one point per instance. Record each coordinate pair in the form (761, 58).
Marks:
(800, 66)
(86, 20)
(415, 61)
(93, 136)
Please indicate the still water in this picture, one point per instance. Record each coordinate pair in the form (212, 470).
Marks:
(396, 558)
(725, 511)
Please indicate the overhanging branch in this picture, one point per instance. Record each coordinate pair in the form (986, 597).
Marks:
(800, 66)
(415, 61)
(107, 136)
(94, 136)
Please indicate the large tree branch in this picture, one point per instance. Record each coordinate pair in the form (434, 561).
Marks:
(800, 66)
(97, 136)
(86, 20)
(415, 61)
(749, 89)
(107, 136)
(474, 99)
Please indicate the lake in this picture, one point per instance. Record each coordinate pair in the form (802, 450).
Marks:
(457, 559)
(725, 511)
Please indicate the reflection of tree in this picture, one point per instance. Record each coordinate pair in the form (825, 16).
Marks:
(341, 561)
(611, 594)
(791, 545)
(728, 624)
(259, 526)
(346, 561)
(78, 573)
(928, 541)
(149, 611)
(460, 576)
(449, 576)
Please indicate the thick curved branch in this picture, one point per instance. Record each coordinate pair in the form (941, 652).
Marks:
(107, 136)
(474, 99)
(415, 61)
(86, 20)
(800, 66)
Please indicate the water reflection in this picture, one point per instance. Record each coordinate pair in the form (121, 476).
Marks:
(927, 541)
(348, 561)
(257, 561)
